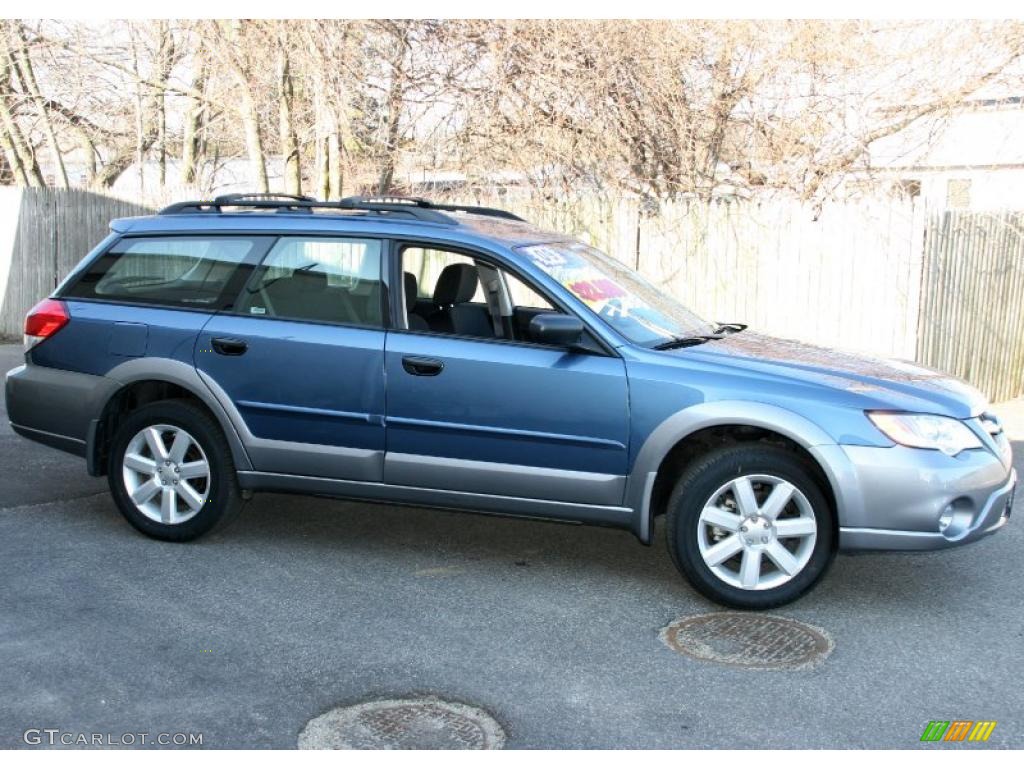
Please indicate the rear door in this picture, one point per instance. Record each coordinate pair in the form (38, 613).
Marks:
(301, 358)
(148, 296)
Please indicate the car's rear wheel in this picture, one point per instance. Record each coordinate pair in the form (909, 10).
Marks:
(750, 527)
(171, 472)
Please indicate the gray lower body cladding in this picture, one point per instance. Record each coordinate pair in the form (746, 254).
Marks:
(911, 499)
(54, 406)
(887, 498)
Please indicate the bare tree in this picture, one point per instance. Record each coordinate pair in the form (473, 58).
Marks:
(197, 114)
(659, 109)
(20, 62)
(237, 45)
(286, 111)
(18, 148)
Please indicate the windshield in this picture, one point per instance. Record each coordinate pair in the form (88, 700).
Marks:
(617, 294)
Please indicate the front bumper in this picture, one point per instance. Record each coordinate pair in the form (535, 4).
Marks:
(909, 499)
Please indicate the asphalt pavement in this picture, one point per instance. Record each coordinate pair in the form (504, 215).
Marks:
(302, 604)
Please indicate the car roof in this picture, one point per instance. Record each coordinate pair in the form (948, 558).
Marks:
(459, 227)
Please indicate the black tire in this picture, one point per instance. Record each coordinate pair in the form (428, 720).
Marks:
(701, 479)
(223, 496)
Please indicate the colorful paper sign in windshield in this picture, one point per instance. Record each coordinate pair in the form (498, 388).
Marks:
(576, 274)
(600, 289)
(601, 293)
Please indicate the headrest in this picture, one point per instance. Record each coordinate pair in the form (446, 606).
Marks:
(410, 291)
(457, 284)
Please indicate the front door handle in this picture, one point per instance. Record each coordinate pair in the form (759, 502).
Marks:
(422, 366)
(232, 347)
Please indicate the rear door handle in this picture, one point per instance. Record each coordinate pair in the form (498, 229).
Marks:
(422, 366)
(232, 347)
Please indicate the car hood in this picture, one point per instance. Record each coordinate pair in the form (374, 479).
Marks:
(894, 384)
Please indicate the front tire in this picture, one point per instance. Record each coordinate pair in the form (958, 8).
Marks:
(171, 472)
(749, 526)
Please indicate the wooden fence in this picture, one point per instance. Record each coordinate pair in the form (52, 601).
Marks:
(971, 322)
(846, 276)
(44, 233)
(875, 276)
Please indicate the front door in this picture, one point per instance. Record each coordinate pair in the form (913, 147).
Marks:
(301, 359)
(475, 407)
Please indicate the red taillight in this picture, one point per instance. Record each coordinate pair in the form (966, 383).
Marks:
(45, 319)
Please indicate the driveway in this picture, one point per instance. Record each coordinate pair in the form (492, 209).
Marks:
(303, 604)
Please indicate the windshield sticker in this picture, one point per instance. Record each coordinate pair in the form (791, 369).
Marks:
(600, 289)
(622, 301)
(578, 275)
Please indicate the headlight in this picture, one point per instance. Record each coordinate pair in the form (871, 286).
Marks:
(922, 430)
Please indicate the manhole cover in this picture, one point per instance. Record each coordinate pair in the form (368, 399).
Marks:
(403, 724)
(748, 640)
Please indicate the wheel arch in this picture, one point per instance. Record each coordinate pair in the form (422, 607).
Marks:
(690, 432)
(147, 380)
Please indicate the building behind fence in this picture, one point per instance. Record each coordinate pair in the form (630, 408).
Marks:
(882, 277)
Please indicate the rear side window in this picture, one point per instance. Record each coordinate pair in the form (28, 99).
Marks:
(177, 271)
(320, 279)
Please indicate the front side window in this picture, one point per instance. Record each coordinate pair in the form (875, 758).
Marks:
(444, 293)
(322, 279)
(456, 294)
(174, 271)
(427, 264)
(616, 294)
(524, 297)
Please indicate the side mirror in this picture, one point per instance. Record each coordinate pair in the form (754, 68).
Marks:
(556, 330)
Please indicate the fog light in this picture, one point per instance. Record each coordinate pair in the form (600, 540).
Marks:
(946, 518)
(956, 518)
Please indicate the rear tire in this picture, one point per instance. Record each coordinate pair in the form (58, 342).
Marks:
(749, 527)
(171, 473)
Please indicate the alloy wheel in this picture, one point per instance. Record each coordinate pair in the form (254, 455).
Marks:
(757, 532)
(166, 474)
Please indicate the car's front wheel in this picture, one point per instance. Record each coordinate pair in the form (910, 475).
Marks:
(171, 471)
(749, 526)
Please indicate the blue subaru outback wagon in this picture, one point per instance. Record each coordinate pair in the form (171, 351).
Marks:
(400, 351)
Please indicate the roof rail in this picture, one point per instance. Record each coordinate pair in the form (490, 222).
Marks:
(413, 207)
(421, 202)
(239, 197)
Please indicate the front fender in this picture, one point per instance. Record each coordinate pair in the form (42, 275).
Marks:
(683, 423)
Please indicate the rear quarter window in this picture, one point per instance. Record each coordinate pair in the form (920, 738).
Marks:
(192, 272)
